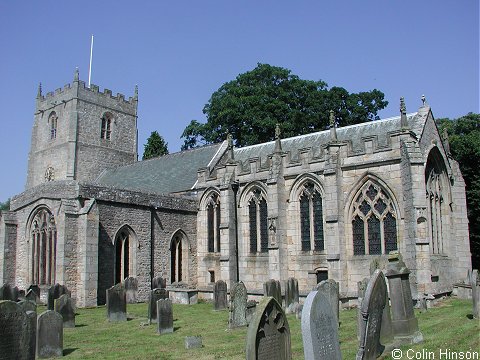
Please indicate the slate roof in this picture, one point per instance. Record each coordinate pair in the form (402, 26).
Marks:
(354, 133)
(170, 173)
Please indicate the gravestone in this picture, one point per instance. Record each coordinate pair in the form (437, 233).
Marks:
(49, 335)
(372, 309)
(159, 283)
(28, 305)
(116, 303)
(14, 331)
(155, 295)
(268, 335)
(36, 293)
(298, 313)
(320, 328)
(291, 296)
(251, 309)
(164, 316)
(404, 323)
(131, 289)
(193, 342)
(330, 289)
(220, 295)
(9, 292)
(475, 282)
(32, 333)
(64, 306)
(238, 306)
(273, 288)
(386, 330)
(361, 288)
(54, 292)
(21, 295)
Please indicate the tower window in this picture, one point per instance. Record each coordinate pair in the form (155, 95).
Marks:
(52, 121)
(106, 131)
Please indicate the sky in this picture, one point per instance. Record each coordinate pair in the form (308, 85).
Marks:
(180, 52)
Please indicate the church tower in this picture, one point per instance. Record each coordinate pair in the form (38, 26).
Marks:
(78, 132)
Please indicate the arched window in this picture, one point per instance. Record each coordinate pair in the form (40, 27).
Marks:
(258, 222)
(311, 218)
(43, 248)
(52, 121)
(106, 132)
(436, 184)
(124, 254)
(374, 225)
(213, 223)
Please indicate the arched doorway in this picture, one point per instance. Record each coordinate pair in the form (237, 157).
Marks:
(124, 254)
(179, 258)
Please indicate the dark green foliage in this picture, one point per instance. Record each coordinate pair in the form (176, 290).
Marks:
(155, 146)
(464, 139)
(250, 106)
(5, 205)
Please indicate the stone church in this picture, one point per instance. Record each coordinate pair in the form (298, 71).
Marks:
(323, 205)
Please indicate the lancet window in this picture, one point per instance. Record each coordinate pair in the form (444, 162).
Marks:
(311, 218)
(258, 222)
(106, 131)
(374, 223)
(53, 121)
(213, 223)
(43, 248)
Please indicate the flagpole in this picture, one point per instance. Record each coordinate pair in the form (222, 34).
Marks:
(90, 66)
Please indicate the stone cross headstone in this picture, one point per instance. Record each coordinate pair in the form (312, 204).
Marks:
(291, 296)
(320, 328)
(116, 303)
(404, 323)
(268, 335)
(54, 292)
(131, 289)
(475, 282)
(9, 292)
(164, 316)
(64, 306)
(49, 335)
(155, 295)
(220, 295)
(238, 306)
(14, 331)
(330, 289)
(159, 283)
(273, 288)
(372, 309)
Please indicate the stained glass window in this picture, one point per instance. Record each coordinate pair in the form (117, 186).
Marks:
(305, 222)
(365, 207)
(390, 233)
(374, 240)
(380, 206)
(318, 221)
(263, 226)
(358, 236)
(252, 212)
(372, 192)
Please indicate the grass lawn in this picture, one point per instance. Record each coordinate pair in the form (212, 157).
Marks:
(448, 326)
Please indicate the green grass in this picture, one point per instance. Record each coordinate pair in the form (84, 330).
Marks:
(446, 326)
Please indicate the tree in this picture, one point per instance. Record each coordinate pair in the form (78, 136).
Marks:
(155, 146)
(250, 106)
(464, 140)
(5, 205)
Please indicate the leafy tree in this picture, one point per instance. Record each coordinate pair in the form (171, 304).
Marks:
(464, 139)
(250, 106)
(155, 146)
(5, 205)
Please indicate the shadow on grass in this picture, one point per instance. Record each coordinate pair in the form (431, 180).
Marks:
(177, 328)
(80, 325)
(68, 351)
(470, 316)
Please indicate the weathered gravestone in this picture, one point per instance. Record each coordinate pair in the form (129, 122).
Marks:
(268, 335)
(54, 292)
(21, 295)
(30, 309)
(330, 289)
(64, 306)
(404, 323)
(475, 282)
(320, 328)
(361, 288)
(164, 316)
(291, 296)
(193, 342)
(28, 305)
(372, 309)
(159, 283)
(238, 306)
(251, 310)
(15, 331)
(155, 295)
(9, 292)
(116, 303)
(220, 295)
(298, 313)
(34, 291)
(49, 335)
(131, 289)
(274, 289)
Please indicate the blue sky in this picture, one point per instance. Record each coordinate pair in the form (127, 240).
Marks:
(180, 52)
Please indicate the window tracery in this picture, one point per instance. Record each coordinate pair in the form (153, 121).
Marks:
(311, 218)
(53, 121)
(43, 248)
(258, 222)
(106, 131)
(213, 223)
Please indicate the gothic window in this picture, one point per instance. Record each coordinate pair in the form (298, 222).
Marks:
(122, 256)
(52, 121)
(258, 222)
(43, 248)
(213, 223)
(106, 131)
(311, 218)
(374, 225)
